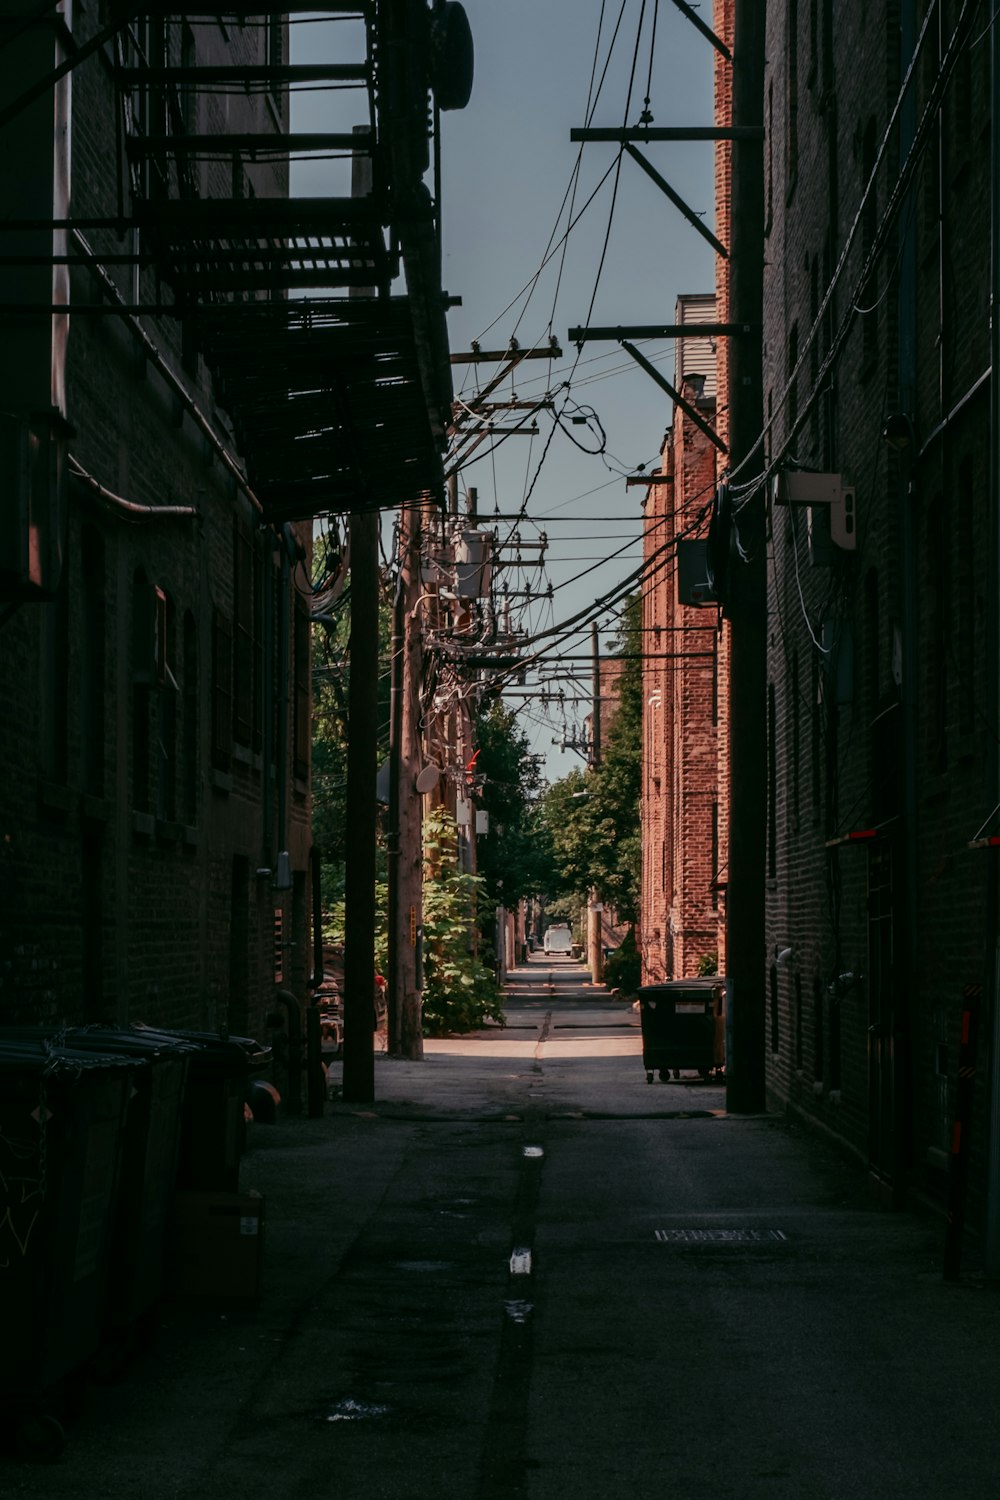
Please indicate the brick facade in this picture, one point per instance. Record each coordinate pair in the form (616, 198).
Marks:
(880, 711)
(682, 923)
(156, 711)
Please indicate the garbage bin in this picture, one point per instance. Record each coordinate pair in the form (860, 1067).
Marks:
(148, 1169)
(62, 1118)
(212, 1119)
(683, 1026)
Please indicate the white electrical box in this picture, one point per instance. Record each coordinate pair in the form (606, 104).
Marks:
(810, 489)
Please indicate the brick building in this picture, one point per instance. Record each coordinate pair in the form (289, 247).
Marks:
(154, 678)
(882, 593)
(165, 448)
(684, 784)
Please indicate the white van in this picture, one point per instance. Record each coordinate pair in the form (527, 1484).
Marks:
(558, 940)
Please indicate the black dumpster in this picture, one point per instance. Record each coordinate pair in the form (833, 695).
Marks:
(683, 1027)
(213, 1123)
(62, 1120)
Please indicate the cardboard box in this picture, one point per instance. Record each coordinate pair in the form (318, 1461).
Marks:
(217, 1245)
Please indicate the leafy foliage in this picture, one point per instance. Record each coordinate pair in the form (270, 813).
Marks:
(514, 857)
(330, 731)
(623, 967)
(592, 816)
(460, 993)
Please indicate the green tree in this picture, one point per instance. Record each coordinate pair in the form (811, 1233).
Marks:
(460, 993)
(592, 816)
(330, 682)
(514, 857)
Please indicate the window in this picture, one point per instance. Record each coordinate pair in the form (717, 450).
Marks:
(222, 690)
(274, 43)
(937, 645)
(792, 101)
(818, 1036)
(816, 747)
(772, 784)
(869, 226)
(798, 1022)
(243, 635)
(814, 411)
(301, 723)
(143, 676)
(166, 708)
(965, 599)
(189, 722)
(796, 746)
(769, 207)
(775, 1022)
(92, 660)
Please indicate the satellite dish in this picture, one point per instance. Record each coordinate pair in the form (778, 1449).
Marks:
(428, 778)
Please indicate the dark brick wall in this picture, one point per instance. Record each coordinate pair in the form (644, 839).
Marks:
(129, 853)
(881, 649)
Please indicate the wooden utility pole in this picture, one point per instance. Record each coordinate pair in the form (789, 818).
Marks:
(360, 823)
(595, 912)
(746, 605)
(405, 801)
(360, 817)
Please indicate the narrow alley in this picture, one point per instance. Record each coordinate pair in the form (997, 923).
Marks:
(523, 1272)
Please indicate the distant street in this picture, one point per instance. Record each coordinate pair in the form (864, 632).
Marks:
(523, 1272)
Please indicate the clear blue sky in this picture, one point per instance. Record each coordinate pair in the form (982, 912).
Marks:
(507, 166)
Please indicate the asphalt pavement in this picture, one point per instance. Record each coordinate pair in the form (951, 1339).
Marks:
(523, 1272)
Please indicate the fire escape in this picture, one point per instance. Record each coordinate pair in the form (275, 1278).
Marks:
(337, 383)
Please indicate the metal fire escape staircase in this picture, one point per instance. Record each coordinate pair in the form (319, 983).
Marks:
(339, 390)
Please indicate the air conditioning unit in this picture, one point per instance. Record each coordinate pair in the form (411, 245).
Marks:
(693, 583)
(821, 491)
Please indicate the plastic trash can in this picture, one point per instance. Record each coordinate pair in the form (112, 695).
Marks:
(148, 1169)
(62, 1119)
(683, 1027)
(213, 1125)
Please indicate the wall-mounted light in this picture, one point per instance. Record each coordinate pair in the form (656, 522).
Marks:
(897, 433)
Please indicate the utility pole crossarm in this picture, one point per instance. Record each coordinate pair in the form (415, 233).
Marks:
(608, 334)
(704, 28)
(677, 200)
(478, 356)
(675, 395)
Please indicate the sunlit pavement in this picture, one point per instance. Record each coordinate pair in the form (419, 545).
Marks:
(523, 1273)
